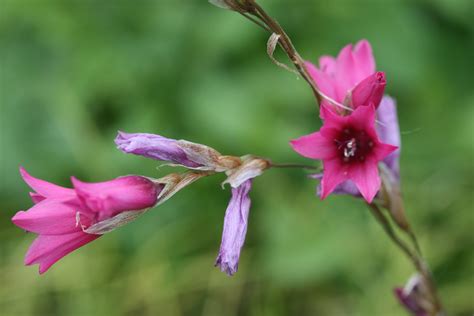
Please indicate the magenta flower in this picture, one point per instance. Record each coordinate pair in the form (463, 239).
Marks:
(235, 229)
(388, 132)
(349, 148)
(66, 219)
(349, 79)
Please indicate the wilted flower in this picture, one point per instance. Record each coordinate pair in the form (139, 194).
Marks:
(235, 228)
(179, 152)
(350, 78)
(349, 148)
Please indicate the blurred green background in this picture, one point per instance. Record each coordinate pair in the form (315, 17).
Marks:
(75, 72)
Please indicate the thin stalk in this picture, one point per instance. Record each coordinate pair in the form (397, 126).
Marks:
(293, 165)
(415, 257)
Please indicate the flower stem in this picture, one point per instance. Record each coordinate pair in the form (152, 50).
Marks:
(415, 256)
(293, 165)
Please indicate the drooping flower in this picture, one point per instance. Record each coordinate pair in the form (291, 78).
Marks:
(350, 78)
(235, 229)
(178, 152)
(415, 297)
(349, 148)
(66, 219)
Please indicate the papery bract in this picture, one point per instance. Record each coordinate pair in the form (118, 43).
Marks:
(353, 70)
(349, 148)
(61, 216)
(235, 229)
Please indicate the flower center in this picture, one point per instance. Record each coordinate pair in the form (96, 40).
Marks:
(353, 145)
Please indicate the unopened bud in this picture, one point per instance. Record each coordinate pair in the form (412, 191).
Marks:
(369, 91)
(392, 197)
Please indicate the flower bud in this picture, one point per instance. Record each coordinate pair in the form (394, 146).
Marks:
(369, 91)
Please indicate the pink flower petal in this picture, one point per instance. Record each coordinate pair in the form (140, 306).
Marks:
(346, 72)
(323, 80)
(330, 118)
(327, 64)
(364, 58)
(36, 198)
(334, 174)
(50, 217)
(314, 146)
(383, 150)
(109, 198)
(48, 249)
(45, 188)
(363, 118)
(367, 179)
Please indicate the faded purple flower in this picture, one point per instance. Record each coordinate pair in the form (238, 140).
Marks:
(177, 152)
(154, 147)
(235, 228)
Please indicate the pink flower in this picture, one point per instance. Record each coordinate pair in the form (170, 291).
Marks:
(66, 219)
(350, 150)
(349, 79)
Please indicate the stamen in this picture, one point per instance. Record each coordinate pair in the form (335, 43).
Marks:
(350, 148)
(78, 221)
(78, 218)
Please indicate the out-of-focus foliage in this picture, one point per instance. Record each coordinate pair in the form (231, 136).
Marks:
(74, 72)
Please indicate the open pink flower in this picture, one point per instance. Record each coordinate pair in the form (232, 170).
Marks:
(350, 150)
(350, 78)
(388, 132)
(66, 219)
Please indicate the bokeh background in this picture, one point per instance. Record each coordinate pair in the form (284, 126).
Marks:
(75, 72)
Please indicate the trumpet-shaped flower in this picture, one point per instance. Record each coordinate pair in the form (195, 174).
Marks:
(349, 148)
(350, 78)
(388, 132)
(66, 219)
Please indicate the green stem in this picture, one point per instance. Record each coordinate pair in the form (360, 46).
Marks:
(414, 256)
(293, 165)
